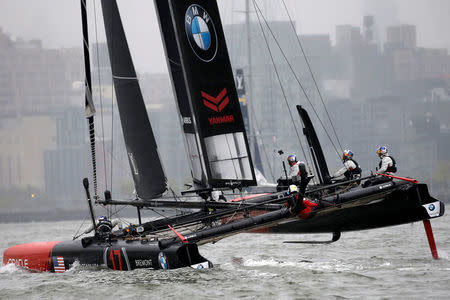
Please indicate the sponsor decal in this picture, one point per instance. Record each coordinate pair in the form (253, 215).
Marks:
(217, 103)
(384, 186)
(240, 82)
(221, 120)
(162, 260)
(143, 262)
(433, 209)
(201, 32)
(18, 262)
(58, 264)
(233, 183)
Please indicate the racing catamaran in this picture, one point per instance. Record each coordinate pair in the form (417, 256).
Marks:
(219, 158)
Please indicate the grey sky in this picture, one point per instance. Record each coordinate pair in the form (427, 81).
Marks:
(57, 22)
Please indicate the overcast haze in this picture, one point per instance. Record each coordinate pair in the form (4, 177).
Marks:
(57, 23)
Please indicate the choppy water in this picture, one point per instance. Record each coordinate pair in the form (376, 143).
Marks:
(388, 263)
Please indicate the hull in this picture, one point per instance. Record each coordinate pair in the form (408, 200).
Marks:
(387, 204)
(121, 255)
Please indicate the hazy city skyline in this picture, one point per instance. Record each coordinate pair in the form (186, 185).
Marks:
(356, 77)
(58, 25)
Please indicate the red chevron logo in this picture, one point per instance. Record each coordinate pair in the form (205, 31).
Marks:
(216, 103)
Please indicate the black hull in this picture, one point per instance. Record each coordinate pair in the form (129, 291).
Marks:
(367, 209)
(120, 255)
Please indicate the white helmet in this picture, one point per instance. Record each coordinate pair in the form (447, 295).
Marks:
(292, 159)
(347, 154)
(382, 151)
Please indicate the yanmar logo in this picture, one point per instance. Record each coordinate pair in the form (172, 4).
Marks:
(221, 120)
(216, 103)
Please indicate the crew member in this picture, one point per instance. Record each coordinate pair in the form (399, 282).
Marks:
(351, 169)
(387, 162)
(298, 173)
(217, 196)
(104, 227)
(386, 165)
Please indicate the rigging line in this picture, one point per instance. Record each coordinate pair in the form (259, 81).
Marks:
(297, 79)
(112, 139)
(116, 160)
(231, 156)
(174, 197)
(263, 145)
(312, 76)
(240, 204)
(75, 236)
(279, 80)
(100, 93)
(112, 110)
(178, 211)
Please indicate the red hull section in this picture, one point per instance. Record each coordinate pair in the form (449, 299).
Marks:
(33, 256)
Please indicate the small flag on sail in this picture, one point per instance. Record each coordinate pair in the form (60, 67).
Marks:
(58, 264)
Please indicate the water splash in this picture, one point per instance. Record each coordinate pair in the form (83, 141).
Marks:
(9, 268)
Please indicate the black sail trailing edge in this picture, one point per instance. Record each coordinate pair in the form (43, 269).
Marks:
(191, 138)
(204, 85)
(142, 151)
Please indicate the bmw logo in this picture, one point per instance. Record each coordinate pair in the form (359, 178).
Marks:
(201, 33)
(162, 260)
(431, 207)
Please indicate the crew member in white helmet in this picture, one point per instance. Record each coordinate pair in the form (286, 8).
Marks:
(387, 162)
(351, 169)
(298, 173)
(387, 165)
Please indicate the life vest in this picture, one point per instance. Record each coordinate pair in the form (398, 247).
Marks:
(349, 174)
(391, 169)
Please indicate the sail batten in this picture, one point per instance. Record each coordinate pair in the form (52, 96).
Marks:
(146, 168)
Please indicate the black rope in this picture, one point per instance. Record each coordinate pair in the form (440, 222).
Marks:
(296, 77)
(279, 80)
(312, 76)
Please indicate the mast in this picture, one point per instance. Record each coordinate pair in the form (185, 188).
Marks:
(88, 102)
(142, 151)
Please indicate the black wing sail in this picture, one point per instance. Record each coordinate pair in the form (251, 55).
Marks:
(196, 32)
(191, 137)
(142, 151)
(314, 144)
